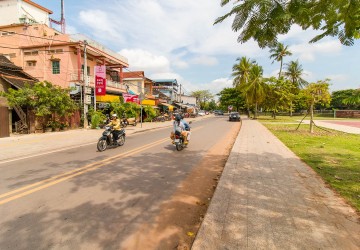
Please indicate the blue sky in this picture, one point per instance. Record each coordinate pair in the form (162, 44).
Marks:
(177, 39)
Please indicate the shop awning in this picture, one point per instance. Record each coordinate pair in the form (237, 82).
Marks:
(171, 108)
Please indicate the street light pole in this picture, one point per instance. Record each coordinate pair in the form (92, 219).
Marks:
(85, 85)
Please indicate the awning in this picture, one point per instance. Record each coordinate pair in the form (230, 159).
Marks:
(148, 102)
(171, 108)
(107, 98)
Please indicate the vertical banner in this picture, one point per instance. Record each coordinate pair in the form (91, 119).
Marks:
(100, 80)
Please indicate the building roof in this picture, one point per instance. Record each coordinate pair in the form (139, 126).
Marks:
(38, 6)
(133, 74)
(13, 74)
(165, 80)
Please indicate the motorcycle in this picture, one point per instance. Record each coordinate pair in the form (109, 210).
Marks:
(179, 140)
(124, 122)
(106, 139)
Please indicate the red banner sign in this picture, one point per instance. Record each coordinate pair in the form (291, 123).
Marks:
(100, 85)
(100, 80)
(131, 98)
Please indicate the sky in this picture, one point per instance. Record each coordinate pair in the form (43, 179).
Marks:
(172, 39)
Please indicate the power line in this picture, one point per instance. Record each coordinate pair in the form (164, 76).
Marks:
(44, 38)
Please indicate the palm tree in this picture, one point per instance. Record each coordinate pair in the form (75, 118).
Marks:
(241, 71)
(293, 73)
(255, 89)
(279, 51)
(354, 99)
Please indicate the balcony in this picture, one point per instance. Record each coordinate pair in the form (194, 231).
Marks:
(117, 85)
(91, 81)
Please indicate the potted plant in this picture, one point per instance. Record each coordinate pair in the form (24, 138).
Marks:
(64, 125)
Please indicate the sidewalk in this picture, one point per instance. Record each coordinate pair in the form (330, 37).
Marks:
(20, 146)
(267, 198)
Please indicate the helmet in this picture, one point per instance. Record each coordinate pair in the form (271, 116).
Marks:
(178, 118)
(113, 116)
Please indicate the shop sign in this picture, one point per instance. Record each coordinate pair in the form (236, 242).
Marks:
(131, 98)
(100, 80)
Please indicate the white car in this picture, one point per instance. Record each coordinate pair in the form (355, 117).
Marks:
(201, 113)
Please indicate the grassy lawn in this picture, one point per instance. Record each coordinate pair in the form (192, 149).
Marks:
(334, 155)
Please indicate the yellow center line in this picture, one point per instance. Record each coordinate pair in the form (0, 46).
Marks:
(70, 174)
(29, 189)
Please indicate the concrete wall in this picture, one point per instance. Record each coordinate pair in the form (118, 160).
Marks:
(12, 10)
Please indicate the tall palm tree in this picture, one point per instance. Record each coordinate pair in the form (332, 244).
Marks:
(294, 74)
(241, 74)
(241, 71)
(255, 89)
(279, 51)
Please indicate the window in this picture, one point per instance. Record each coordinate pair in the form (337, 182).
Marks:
(31, 53)
(55, 51)
(56, 67)
(5, 33)
(30, 63)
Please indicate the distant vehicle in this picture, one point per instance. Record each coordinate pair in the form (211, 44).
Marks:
(201, 112)
(218, 112)
(234, 116)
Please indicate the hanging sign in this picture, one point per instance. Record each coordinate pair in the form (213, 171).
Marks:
(131, 98)
(100, 80)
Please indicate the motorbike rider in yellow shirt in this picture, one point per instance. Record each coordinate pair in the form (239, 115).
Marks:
(116, 124)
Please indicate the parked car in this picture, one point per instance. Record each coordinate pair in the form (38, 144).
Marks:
(218, 112)
(234, 116)
(201, 112)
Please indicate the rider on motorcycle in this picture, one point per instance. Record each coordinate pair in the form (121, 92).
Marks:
(179, 126)
(115, 123)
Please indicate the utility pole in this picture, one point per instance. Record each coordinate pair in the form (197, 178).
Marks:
(85, 83)
(180, 94)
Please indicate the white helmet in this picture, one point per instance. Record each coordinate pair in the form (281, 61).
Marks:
(114, 116)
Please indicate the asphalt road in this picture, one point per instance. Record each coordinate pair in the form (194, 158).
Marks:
(84, 199)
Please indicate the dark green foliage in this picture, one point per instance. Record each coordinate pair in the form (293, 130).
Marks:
(264, 20)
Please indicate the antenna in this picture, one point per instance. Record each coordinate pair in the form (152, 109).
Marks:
(62, 20)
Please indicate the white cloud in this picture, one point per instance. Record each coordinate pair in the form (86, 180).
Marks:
(309, 52)
(163, 36)
(204, 60)
(144, 60)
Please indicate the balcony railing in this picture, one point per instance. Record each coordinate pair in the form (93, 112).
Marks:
(117, 85)
(91, 80)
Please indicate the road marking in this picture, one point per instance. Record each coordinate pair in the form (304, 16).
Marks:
(29, 189)
(70, 174)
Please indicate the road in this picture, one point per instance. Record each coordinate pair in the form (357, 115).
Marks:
(132, 197)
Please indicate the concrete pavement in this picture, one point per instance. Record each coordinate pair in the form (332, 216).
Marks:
(267, 198)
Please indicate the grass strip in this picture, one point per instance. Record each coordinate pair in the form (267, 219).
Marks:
(334, 155)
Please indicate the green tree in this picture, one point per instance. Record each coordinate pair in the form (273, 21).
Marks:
(316, 93)
(278, 52)
(338, 99)
(233, 97)
(255, 89)
(294, 73)
(265, 20)
(44, 99)
(354, 99)
(278, 95)
(202, 96)
(241, 71)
